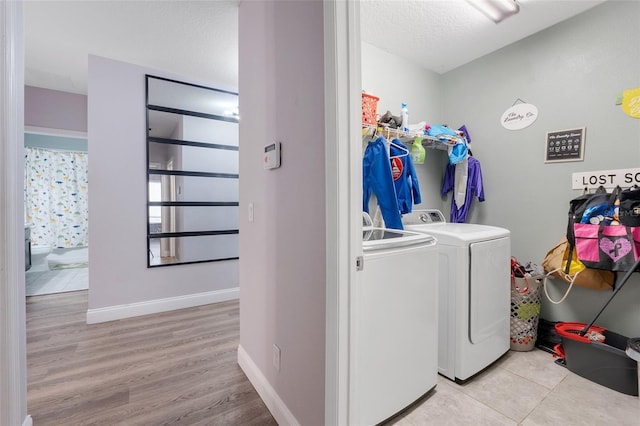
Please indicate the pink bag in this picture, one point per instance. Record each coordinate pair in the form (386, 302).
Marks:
(609, 247)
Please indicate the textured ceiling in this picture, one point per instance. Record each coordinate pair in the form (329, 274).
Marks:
(192, 38)
(199, 39)
(441, 35)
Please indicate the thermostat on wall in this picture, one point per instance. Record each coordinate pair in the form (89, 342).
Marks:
(272, 156)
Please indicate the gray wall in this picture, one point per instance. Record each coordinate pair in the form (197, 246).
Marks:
(573, 73)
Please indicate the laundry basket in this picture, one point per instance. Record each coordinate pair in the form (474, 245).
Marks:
(525, 312)
(369, 108)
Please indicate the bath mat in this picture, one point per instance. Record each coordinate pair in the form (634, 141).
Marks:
(59, 266)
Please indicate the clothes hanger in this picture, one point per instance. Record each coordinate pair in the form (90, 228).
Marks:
(369, 133)
(404, 150)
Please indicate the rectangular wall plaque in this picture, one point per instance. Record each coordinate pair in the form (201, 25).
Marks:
(607, 178)
(565, 145)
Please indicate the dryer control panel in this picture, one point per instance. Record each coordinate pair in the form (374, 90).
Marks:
(421, 217)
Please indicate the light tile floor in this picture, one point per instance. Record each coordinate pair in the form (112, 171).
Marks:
(523, 388)
(41, 280)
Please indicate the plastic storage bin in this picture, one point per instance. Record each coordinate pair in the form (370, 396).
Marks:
(633, 351)
(605, 363)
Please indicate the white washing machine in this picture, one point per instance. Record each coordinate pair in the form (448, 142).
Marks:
(393, 358)
(474, 292)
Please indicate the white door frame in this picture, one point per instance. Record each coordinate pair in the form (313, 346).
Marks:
(343, 181)
(13, 353)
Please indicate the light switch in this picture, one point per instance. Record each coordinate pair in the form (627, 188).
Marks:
(250, 212)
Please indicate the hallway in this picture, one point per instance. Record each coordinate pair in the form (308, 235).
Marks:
(176, 367)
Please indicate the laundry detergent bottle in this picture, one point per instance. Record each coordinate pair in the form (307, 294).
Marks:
(417, 151)
(405, 117)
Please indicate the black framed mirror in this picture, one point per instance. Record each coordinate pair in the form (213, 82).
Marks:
(192, 173)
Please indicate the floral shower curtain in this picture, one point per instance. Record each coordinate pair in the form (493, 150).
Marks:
(56, 197)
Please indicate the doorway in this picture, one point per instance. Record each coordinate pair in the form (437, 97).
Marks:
(56, 213)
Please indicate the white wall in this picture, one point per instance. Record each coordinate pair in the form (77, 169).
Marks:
(396, 80)
(573, 73)
(282, 252)
(120, 284)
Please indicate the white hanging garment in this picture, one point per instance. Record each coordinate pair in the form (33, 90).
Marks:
(378, 221)
(461, 177)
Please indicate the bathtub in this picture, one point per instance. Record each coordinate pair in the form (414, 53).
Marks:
(39, 255)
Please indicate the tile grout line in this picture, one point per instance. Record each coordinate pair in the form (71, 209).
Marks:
(545, 397)
(480, 402)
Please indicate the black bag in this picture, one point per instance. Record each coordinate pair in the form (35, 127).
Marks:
(629, 211)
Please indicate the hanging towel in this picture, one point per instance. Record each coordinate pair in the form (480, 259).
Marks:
(474, 187)
(377, 178)
(404, 177)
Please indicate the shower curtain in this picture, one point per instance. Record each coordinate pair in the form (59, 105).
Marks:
(56, 197)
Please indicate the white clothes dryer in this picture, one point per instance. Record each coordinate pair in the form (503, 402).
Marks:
(474, 292)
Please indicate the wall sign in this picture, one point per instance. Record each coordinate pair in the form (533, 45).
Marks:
(631, 102)
(519, 116)
(606, 178)
(565, 145)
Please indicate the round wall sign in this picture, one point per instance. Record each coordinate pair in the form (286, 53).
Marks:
(631, 102)
(519, 116)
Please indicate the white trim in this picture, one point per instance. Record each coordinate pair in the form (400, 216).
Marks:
(28, 421)
(13, 353)
(129, 310)
(49, 131)
(276, 406)
(343, 111)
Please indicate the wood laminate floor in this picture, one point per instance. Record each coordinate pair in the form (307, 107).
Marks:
(177, 367)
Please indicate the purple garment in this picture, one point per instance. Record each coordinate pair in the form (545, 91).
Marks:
(474, 187)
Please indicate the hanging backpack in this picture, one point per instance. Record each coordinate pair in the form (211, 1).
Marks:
(586, 203)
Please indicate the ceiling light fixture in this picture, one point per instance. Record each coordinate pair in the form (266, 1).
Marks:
(496, 10)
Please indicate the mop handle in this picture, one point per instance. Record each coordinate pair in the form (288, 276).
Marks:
(618, 288)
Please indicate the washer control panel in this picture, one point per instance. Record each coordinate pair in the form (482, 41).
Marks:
(421, 217)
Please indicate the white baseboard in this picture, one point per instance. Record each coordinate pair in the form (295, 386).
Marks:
(28, 421)
(276, 406)
(117, 312)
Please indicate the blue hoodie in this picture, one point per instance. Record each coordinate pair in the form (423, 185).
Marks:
(404, 177)
(376, 177)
